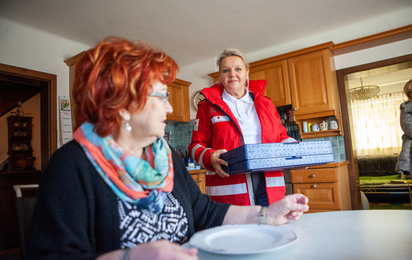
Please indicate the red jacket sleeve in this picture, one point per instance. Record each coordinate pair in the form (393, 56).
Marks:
(200, 147)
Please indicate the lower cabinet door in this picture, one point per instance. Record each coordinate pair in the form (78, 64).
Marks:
(200, 179)
(322, 196)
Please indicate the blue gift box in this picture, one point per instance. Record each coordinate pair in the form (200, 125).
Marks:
(277, 156)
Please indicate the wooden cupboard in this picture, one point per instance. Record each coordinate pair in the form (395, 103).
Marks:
(179, 94)
(200, 178)
(71, 62)
(179, 100)
(19, 142)
(314, 91)
(276, 74)
(305, 79)
(310, 82)
(326, 186)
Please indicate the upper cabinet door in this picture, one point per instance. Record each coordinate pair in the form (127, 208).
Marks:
(311, 82)
(276, 74)
(179, 100)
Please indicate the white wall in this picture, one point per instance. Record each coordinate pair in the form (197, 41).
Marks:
(26, 47)
(378, 53)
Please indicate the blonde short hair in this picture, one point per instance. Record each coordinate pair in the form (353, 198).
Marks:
(231, 52)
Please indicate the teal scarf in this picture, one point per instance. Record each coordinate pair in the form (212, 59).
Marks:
(139, 182)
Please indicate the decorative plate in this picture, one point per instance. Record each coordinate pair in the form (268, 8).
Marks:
(197, 98)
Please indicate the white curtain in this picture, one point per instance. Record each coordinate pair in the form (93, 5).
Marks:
(376, 124)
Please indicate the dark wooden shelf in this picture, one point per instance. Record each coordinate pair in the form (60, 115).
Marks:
(17, 158)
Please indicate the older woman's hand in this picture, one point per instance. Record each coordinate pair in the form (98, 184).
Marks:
(216, 162)
(290, 207)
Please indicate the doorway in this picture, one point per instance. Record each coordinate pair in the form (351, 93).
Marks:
(48, 106)
(343, 77)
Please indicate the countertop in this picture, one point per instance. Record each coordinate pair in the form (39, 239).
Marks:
(330, 165)
(197, 171)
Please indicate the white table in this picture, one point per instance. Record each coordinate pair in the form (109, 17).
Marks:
(363, 234)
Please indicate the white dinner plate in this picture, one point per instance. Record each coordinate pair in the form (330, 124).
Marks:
(243, 239)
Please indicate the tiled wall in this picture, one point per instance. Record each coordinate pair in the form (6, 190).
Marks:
(181, 134)
(338, 146)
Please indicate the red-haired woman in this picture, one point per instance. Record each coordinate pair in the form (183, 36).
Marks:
(118, 191)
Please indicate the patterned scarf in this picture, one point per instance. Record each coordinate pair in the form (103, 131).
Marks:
(139, 182)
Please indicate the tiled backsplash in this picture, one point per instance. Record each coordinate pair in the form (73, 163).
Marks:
(181, 135)
(338, 146)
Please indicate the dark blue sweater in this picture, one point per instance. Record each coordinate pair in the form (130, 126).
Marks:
(76, 214)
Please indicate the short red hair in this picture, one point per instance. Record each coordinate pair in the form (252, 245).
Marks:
(117, 74)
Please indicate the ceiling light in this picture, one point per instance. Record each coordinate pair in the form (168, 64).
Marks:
(364, 92)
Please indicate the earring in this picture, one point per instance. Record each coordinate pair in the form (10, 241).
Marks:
(127, 127)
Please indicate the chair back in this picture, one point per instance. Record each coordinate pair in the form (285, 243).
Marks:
(25, 203)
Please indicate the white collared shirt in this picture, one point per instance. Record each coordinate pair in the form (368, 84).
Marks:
(245, 112)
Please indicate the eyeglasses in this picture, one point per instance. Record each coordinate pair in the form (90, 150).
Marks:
(162, 96)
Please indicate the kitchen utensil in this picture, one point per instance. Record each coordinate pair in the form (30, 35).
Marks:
(315, 128)
(324, 126)
(187, 160)
(289, 113)
(332, 123)
(179, 150)
(305, 127)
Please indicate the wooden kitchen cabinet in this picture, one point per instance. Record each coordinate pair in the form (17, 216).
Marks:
(311, 83)
(314, 91)
(179, 100)
(276, 74)
(71, 63)
(326, 186)
(200, 178)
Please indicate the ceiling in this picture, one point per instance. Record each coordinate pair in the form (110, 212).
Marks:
(191, 30)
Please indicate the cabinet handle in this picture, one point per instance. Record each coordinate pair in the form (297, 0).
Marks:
(312, 176)
(198, 181)
(294, 108)
(314, 186)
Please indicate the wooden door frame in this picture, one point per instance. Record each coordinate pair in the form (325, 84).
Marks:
(346, 117)
(48, 107)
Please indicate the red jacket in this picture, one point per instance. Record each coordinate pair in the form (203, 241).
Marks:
(217, 128)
